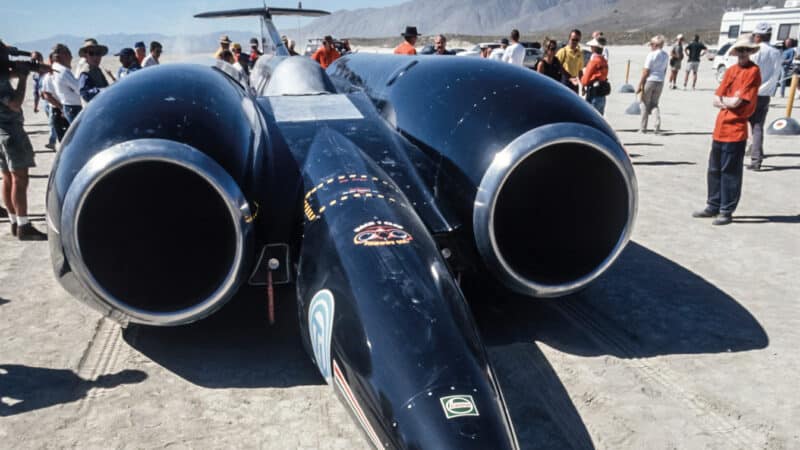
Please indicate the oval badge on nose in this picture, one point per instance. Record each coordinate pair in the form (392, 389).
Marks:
(459, 406)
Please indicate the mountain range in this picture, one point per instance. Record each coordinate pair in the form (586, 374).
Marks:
(498, 17)
(464, 17)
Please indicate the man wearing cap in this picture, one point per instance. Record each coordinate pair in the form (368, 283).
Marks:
(736, 97)
(128, 62)
(409, 40)
(326, 54)
(65, 84)
(675, 60)
(224, 44)
(497, 53)
(769, 61)
(254, 51)
(91, 81)
(16, 151)
(155, 53)
(141, 52)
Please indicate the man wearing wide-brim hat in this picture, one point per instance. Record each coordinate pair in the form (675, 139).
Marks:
(91, 80)
(410, 39)
(224, 44)
(736, 97)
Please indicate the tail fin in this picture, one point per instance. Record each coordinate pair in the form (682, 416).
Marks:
(266, 12)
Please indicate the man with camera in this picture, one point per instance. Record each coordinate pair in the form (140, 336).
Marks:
(16, 151)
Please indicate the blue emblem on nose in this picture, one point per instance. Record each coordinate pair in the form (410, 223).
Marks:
(320, 330)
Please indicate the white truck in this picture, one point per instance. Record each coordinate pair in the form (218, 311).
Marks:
(785, 24)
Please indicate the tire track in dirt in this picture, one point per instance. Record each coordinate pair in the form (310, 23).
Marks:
(709, 416)
(99, 358)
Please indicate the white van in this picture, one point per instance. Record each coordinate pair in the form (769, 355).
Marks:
(785, 23)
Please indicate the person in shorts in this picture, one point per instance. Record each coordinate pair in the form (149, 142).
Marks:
(694, 51)
(675, 60)
(16, 152)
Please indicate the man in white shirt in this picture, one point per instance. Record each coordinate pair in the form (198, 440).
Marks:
(65, 84)
(515, 53)
(770, 63)
(155, 53)
(497, 54)
(652, 82)
(52, 107)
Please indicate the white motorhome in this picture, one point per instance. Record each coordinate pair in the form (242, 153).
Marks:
(785, 22)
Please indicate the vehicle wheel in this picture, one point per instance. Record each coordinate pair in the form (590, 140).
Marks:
(720, 72)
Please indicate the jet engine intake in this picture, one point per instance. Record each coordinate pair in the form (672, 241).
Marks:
(554, 209)
(157, 230)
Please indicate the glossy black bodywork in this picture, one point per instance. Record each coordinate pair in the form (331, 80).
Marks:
(364, 185)
(460, 111)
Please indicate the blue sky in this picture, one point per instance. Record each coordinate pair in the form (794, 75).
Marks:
(31, 20)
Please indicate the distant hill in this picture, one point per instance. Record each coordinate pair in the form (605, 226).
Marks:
(482, 17)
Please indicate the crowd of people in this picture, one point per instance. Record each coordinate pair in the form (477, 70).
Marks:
(743, 96)
(62, 94)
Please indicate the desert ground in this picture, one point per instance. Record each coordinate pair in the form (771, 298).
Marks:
(688, 342)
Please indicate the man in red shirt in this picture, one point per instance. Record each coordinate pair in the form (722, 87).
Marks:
(736, 99)
(407, 46)
(326, 54)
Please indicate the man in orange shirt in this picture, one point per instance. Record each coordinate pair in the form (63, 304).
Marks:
(326, 54)
(736, 99)
(595, 74)
(407, 46)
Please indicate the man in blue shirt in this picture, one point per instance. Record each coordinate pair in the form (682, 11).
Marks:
(127, 58)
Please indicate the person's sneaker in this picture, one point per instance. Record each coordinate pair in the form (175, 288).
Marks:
(50, 146)
(643, 130)
(722, 219)
(28, 233)
(704, 213)
(14, 229)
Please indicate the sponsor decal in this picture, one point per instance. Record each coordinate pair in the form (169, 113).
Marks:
(380, 233)
(780, 124)
(352, 402)
(320, 330)
(459, 406)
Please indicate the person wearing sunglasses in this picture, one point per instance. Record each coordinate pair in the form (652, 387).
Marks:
(549, 65)
(571, 57)
(92, 80)
(737, 100)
